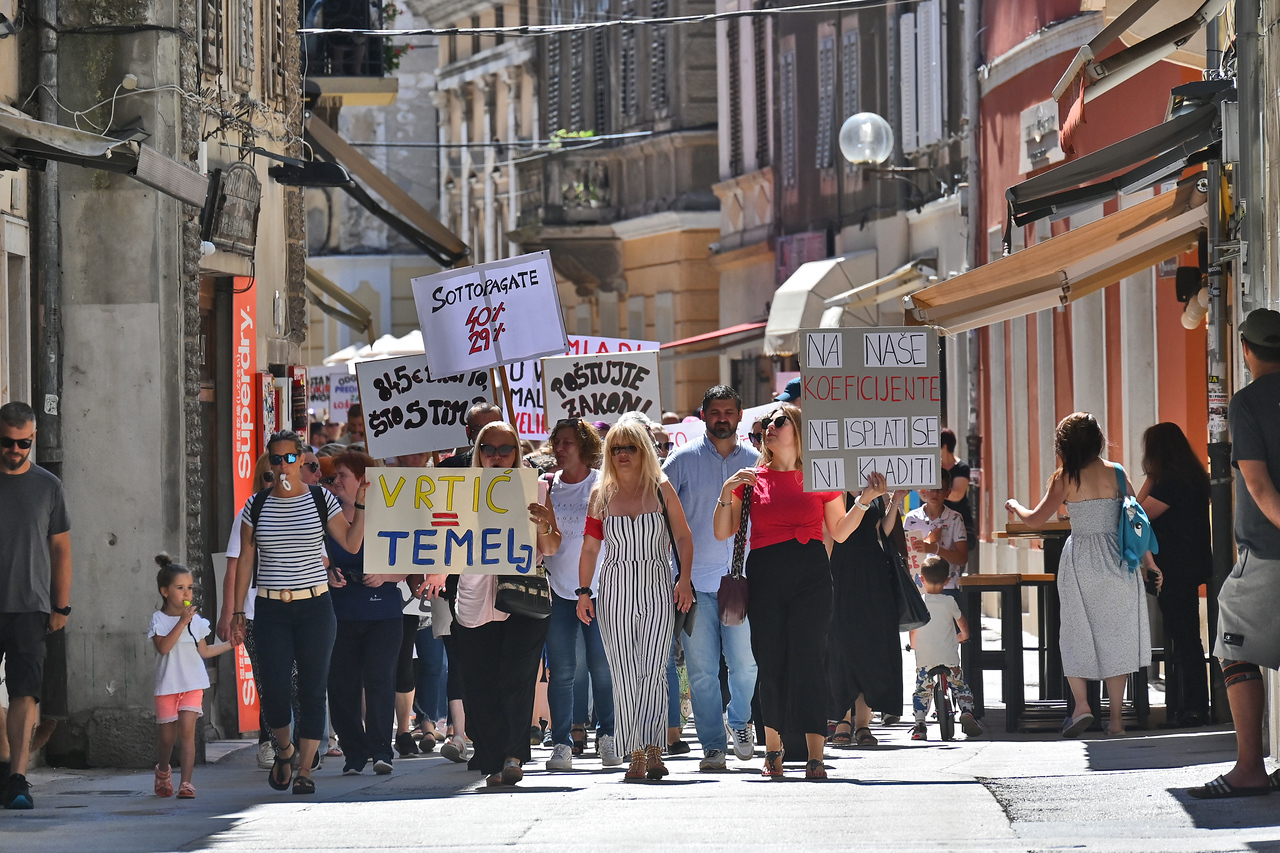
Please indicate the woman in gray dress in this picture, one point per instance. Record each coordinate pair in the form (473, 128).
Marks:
(1105, 633)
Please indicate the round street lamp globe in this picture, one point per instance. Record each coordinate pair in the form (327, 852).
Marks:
(866, 138)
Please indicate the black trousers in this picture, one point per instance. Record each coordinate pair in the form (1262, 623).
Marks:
(1188, 680)
(499, 663)
(362, 671)
(294, 634)
(405, 682)
(789, 585)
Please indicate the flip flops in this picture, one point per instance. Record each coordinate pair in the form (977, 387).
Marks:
(1221, 789)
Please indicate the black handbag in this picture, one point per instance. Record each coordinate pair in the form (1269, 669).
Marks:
(912, 612)
(525, 595)
(733, 597)
(684, 618)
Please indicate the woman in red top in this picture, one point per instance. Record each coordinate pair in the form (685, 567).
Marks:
(789, 579)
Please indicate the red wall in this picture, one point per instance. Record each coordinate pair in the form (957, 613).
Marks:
(1006, 24)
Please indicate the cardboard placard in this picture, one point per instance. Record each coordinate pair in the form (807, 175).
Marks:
(405, 411)
(602, 387)
(683, 433)
(526, 380)
(872, 402)
(488, 315)
(450, 520)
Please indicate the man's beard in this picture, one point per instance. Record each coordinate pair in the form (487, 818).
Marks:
(11, 464)
(723, 430)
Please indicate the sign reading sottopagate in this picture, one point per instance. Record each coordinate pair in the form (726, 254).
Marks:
(405, 411)
(872, 402)
(450, 520)
(489, 315)
(601, 387)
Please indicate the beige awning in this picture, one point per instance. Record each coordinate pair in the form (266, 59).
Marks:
(839, 309)
(799, 302)
(356, 316)
(1066, 267)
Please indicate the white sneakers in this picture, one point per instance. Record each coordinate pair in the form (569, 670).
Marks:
(744, 743)
(381, 767)
(561, 757)
(266, 755)
(713, 760)
(608, 751)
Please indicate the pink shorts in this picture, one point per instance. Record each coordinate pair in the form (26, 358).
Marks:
(168, 706)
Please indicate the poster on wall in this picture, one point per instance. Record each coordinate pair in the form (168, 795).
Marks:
(405, 411)
(872, 402)
(450, 520)
(488, 315)
(601, 387)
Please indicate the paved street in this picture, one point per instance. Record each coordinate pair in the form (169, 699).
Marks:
(1037, 792)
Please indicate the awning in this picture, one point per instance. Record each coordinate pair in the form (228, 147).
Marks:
(799, 302)
(721, 339)
(1067, 267)
(417, 225)
(356, 316)
(900, 282)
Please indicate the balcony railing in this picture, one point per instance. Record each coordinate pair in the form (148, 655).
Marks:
(341, 54)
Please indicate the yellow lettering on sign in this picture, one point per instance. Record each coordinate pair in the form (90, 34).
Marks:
(426, 488)
(389, 497)
(475, 495)
(450, 479)
(501, 478)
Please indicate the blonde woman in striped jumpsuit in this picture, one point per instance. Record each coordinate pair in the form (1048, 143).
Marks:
(636, 590)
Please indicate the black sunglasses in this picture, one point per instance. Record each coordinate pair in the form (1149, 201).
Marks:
(569, 422)
(776, 423)
(756, 437)
(492, 450)
(328, 481)
(664, 445)
(311, 466)
(24, 443)
(629, 449)
(288, 458)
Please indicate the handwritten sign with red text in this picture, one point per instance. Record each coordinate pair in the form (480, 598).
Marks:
(872, 403)
(484, 316)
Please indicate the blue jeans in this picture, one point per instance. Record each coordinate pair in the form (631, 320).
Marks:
(581, 684)
(702, 658)
(430, 693)
(562, 664)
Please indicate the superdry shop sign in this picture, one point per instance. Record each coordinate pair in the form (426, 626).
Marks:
(872, 402)
(245, 433)
(489, 315)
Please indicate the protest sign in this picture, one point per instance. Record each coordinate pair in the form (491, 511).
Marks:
(872, 402)
(488, 315)
(405, 411)
(450, 520)
(601, 387)
(331, 391)
(683, 433)
(526, 381)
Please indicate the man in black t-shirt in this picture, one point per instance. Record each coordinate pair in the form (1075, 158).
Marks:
(959, 497)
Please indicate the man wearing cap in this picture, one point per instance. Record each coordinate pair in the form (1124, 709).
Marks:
(790, 394)
(1248, 635)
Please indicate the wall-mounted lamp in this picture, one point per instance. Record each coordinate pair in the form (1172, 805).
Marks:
(7, 27)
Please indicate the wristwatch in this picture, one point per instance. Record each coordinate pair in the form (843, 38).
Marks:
(582, 590)
(64, 611)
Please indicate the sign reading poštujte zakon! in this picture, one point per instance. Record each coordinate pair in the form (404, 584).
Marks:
(406, 411)
(872, 402)
(488, 315)
(602, 387)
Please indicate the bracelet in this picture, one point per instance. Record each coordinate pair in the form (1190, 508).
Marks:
(722, 503)
(542, 532)
(238, 613)
(858, 504)
(358, 506)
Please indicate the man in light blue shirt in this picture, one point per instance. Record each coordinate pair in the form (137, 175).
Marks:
(698, 471)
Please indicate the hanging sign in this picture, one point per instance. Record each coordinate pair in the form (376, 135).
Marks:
(246, 692)
(450, 520)
(246, 437)
(405, 411)
(488, 315)
(601, 387)
(872, 402)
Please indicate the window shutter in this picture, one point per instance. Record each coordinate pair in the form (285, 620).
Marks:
(760, 39)
(788, 129)
(628, 98)
(928, 72)
(658, 93)
(554, 72)
(826, 95)
(849, 80)
(735, 97)
(907, 80)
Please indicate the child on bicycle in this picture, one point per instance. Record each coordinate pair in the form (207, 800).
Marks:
(178, 631)
(938, 644)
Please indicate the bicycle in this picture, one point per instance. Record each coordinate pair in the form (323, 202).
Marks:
(942, 701)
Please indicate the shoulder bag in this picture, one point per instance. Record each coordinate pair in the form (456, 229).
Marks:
(912, 613)
(526, 595)
(733, 596)
(684, 618)
(1136, 536)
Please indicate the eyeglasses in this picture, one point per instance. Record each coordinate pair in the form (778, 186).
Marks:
(288, 458)
(311, 466)
(629, 449)
(568, 422)
(492, 450)
(756, 437)
(664, 445)
(328, 481)
(24, 443)
(776, 423)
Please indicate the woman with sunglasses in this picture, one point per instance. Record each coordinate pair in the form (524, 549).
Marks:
(498, 653)
(789, 581)
(294, 622)
(628, 515)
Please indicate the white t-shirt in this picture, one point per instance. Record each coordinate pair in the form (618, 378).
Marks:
(183, 668)
(935, 643)
(951, 523)
(233, 550)
(569, 500)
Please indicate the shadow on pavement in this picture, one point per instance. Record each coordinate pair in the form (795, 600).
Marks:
(1156, 751)
(1245, 812)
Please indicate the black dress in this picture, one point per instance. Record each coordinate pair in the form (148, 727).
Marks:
(864, 651)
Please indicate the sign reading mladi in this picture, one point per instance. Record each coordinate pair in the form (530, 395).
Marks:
(601, 387)
(872, 403)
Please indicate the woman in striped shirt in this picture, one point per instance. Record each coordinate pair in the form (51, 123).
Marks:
(283, 539)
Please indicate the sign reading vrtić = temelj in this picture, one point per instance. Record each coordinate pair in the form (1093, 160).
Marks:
(450, 521)
(872, 403)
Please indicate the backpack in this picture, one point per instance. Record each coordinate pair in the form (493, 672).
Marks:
(260, 500)
(1136, 535)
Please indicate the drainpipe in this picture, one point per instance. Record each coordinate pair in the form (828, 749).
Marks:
(1250, 176)
(972, 58)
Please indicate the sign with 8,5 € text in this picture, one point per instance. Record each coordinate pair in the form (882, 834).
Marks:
(488, 315)
(872, 403)
(450, 520)
(602, 387)
(405, 411)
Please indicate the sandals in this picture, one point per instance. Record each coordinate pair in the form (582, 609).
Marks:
(636, 771)
(186, 791)
(304, 785)
(164, 782)
(273, 778)
(815, 769)
(772, 765)
(579, 736)
(1221, 789)
(839, 738)
(653, 767)
(864, 737)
